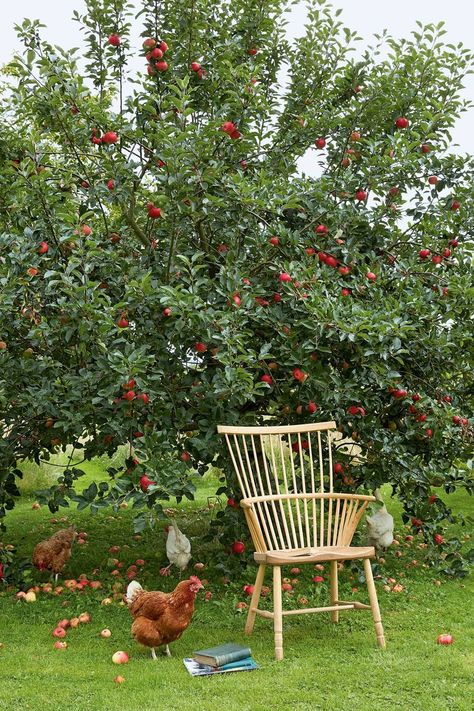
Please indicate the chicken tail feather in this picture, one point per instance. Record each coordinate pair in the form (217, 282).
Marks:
(132, 591)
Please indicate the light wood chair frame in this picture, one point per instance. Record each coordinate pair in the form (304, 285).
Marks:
(284, 522)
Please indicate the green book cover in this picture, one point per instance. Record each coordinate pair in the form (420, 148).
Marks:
(222, 654)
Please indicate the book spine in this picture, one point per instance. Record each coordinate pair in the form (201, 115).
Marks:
(222, 659)
(240, 663)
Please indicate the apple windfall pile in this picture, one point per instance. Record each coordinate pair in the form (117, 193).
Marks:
(164, 267)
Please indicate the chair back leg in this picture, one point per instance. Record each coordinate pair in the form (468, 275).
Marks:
(374, 603)
(277, 613)
(334, 590)
(255, 599)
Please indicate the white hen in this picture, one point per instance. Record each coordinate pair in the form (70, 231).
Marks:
(380, 526)
(178, 547)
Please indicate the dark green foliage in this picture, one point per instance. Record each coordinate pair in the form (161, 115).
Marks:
(208, 258)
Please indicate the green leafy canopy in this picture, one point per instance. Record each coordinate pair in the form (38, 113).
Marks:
(177, 228)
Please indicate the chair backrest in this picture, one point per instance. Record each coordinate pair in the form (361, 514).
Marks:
(286, 477)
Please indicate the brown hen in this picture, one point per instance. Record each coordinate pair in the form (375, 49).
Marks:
(161, 618)
(53, 553)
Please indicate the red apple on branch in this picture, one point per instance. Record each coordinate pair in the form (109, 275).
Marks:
(109, 138)
(402, 122)
(321, 230)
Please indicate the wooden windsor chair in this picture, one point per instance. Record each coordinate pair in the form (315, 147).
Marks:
(294, 515)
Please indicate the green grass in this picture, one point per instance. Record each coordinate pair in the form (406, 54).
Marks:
(326, 666)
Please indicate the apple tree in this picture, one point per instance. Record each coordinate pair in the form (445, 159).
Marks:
(167, 265)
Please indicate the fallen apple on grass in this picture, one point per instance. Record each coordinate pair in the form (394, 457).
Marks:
(445, 639)
(119, 679)
(120, 657)
(59, 632)
(106, 633)
(60, 645)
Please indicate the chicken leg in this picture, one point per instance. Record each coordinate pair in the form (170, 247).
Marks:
(153, 654)
(167, 651)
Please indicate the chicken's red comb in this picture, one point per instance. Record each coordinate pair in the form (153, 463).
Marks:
(194, 579)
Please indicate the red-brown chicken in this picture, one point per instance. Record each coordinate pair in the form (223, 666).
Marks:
(53, 553)
(161, 618)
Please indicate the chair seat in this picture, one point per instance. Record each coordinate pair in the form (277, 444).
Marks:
(314, 555)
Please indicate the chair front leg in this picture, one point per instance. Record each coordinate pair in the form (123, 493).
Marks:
(277, 613)
(334, 590)
(255, 599)
(374, 603)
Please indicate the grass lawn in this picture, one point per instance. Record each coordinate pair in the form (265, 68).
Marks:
(326, 666)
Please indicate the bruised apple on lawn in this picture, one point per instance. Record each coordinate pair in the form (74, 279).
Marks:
(120, 657)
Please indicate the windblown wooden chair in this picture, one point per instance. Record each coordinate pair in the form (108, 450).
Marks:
(294, 516)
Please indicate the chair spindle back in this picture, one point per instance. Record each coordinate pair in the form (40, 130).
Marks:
(286, 477)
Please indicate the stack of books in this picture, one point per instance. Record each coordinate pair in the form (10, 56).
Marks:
(227, 657)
